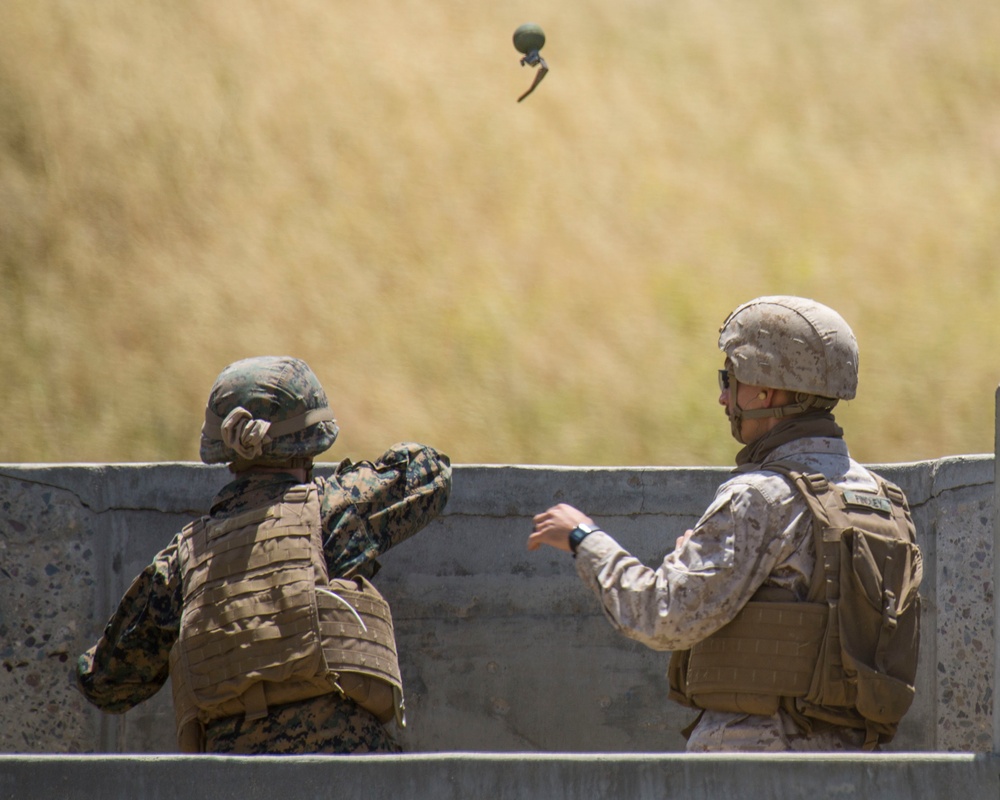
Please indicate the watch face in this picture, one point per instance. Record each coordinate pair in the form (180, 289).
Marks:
(579, 533)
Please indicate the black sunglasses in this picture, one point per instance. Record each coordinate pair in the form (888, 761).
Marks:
(723, 380)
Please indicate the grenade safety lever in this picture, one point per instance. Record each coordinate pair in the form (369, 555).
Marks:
(529, 39)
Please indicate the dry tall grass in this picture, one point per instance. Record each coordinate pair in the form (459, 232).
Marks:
(189, 183)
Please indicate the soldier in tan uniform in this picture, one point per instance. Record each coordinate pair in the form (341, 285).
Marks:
(746, 579)
(261, 612)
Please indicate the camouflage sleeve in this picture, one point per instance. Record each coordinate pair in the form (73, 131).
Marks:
(699, 587)
(370, 506)
(130, 661)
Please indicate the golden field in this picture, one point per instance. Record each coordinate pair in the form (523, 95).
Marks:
(186, 184)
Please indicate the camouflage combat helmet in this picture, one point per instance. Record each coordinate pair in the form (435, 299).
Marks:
(266, 410)
(790, 343)
(794, 344)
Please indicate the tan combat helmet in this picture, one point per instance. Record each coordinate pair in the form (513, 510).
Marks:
(790, 343)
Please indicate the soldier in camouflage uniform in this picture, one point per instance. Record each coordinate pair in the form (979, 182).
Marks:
(788, 361)
(365, 508)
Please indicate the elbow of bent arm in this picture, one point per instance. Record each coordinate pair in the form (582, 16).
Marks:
(650, 629)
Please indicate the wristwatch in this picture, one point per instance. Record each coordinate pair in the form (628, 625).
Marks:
(579, 533)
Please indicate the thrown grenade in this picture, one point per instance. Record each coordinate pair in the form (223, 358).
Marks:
(528, 40)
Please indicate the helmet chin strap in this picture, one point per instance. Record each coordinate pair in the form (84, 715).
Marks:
(803, 403)
(736, 415)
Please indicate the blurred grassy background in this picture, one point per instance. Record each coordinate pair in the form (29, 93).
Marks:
(184, 184)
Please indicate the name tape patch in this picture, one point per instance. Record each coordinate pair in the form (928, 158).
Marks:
(867, 500)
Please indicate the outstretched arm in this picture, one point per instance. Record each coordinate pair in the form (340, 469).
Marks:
(371, 506)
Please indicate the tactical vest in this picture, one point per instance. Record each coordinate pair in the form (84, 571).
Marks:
(263, 625)
(848, 655)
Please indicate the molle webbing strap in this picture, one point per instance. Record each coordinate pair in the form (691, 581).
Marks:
(825, 584)
(286, 575)
(768, 649)
(371, 648)
(273, 539)
(276, 546)
(894, 493)
(205, 647)
(212, 428)
(240, 628)
(255, 701)
(219, 527)
(281, 647)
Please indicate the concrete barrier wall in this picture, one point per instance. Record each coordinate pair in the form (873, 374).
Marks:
(460, 776)
(502, 650)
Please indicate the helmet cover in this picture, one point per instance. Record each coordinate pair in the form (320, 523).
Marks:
(266, 410)
(792, 343)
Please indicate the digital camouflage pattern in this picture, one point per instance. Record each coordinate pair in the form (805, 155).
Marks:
(719, 732)
(366, 508)
(792, 343)
(326, 724)
(757, 531)
(272, 388)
